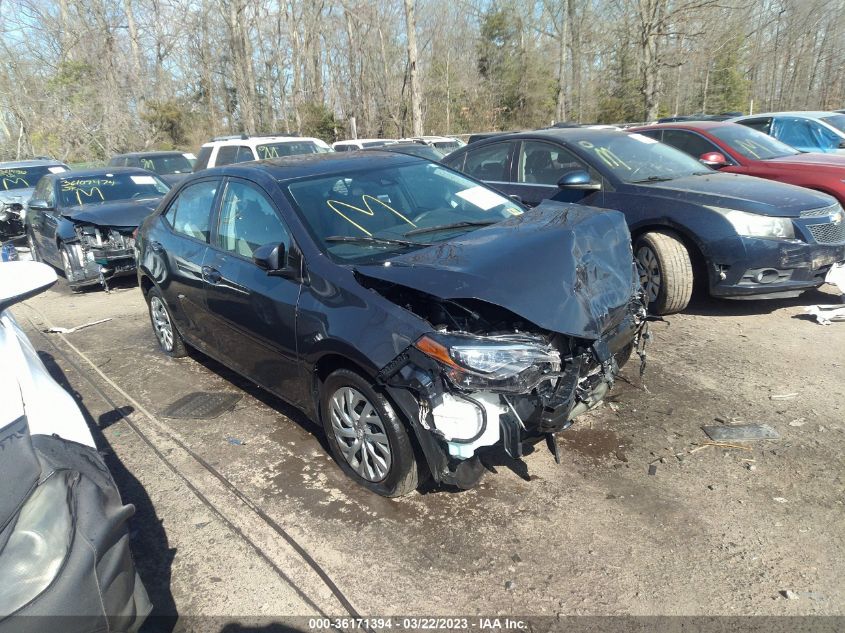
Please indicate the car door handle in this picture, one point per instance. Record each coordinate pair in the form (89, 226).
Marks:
(156, 246)
(211, 275)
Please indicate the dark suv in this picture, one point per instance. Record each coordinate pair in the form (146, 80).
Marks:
(422, 317)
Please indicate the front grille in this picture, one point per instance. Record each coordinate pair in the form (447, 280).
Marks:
(815, 213)
(829, 233)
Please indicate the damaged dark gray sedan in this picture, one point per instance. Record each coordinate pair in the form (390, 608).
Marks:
(422, 317)
(84, 221)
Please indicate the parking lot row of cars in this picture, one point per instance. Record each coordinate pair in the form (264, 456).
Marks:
(423, 309)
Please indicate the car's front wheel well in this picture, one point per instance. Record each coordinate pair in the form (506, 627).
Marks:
(146, 284)
(700, 269)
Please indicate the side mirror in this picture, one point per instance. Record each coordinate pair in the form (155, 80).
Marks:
(41, 205)
(713, 159)
(269, 257)
(841, 144)
(274, 259)
(578, 179)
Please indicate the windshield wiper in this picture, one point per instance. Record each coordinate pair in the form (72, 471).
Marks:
(651, 179)
(446, 227)
(369, 239)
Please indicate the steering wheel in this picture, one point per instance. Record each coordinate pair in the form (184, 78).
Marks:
(422, 216)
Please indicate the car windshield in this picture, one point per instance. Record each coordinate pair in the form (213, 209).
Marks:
(635, 158)
(80, 190)
(289, 148)
(837, 121)
(25, 177)
(367, 215)
(167, 164)
(751, 143)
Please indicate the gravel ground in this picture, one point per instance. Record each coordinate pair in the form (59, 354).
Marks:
(246, 514)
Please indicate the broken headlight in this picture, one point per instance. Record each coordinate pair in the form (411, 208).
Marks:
(492, 363)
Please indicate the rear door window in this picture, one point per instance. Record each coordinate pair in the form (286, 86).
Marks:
(244, 154)
(190, 213)
(226, 155)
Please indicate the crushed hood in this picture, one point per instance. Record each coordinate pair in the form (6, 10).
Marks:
(122, 213)
(16, 195)
(566, 268)
(740, 192)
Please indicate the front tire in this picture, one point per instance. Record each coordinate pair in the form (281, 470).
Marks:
(66, 256)
(169, 340)
(665, 271)
(366, 437)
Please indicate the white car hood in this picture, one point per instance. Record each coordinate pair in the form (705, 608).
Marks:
(27, 388)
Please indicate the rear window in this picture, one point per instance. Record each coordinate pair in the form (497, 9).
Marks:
(167, 164)
(26, 177)
(837, 121)
(289, 148)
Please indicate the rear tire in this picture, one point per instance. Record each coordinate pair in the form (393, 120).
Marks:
(169, 340)
(367, 439)
(665, 271)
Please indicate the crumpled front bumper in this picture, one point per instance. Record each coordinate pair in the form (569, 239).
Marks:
(100, 254)
(512, 422)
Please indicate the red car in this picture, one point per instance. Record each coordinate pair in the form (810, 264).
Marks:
(736, 148)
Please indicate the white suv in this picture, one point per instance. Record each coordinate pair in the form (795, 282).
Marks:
(225, 150)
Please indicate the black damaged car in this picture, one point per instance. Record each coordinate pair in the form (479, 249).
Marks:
(83, 222)
(422, 317)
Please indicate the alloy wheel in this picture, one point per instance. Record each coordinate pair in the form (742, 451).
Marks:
(650, 276)
(161, 323)
(360, 434)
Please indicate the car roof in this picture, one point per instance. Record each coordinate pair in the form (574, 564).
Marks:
(353, 141)
(305, 165)
(553, 134)
(684, 125)
(259, 140)
(30, 163)
(804, 114)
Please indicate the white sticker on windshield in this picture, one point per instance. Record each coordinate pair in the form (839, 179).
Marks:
(189, 156)
(643, 139)
(56, 170)
(482, 197)
(143, 180)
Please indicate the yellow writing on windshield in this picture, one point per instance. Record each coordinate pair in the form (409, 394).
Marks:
(88, 188)
(13, 177)
(750, 147)
(267, 151)
(609, 158)
(336, 205)
(147, 164)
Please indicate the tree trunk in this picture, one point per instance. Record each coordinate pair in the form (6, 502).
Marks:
(416, 97)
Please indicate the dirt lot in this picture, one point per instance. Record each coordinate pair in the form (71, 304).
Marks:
(246, 514)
